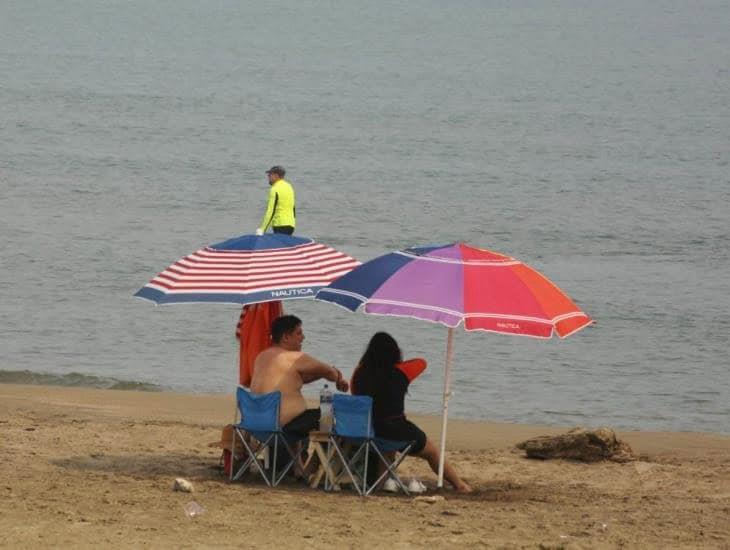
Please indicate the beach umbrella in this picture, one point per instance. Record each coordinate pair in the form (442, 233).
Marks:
(249, 269)
(257, 271)
(455, 283)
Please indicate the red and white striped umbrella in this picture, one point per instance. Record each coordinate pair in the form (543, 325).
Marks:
(250, 269)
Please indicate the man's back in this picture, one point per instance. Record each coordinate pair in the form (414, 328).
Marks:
(275, 369)
(285, 204)
(281, 210)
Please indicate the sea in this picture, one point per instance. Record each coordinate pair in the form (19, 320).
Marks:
(588, 139)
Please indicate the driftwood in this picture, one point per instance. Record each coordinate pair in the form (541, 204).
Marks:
(579, 444)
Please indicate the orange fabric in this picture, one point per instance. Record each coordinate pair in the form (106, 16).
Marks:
(254, 334)
(412, 368)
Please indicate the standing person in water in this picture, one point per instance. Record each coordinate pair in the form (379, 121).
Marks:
(281, 210)
(383, 375)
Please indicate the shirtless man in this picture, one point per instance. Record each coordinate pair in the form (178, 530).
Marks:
(285, 367)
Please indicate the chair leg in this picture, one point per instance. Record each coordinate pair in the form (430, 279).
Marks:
(346, 465)
(365, 472)
(294, 458)
(234, 475)
(251, 458)
(276, 459)
(259, 467)
(390, 468)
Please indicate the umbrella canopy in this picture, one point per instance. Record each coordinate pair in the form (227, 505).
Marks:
(452, 283)
(249, 269)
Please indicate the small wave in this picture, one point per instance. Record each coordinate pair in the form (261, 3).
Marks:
(73, 379)
(565, 413)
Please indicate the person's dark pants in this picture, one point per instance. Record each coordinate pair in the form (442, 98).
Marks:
(395, 429)
(284, 229)
(299, 427)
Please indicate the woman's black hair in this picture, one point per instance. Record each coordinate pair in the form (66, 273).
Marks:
(381, 355)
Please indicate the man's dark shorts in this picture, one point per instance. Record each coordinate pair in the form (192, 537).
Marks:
(304, 423)
(299, 427)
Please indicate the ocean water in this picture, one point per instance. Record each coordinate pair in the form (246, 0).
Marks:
(589, 140)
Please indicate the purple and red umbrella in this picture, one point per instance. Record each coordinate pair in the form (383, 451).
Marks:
(456, 283)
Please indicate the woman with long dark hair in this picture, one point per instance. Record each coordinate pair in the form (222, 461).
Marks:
(383, 375)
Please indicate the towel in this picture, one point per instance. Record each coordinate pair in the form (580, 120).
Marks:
(254, 334)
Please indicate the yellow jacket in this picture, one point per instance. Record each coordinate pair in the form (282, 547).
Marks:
(281, 209)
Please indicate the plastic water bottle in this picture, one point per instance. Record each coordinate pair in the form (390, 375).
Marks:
(325, 410)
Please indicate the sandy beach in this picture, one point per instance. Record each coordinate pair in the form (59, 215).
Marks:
(90, 468)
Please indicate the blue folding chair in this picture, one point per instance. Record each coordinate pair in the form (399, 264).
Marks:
(353, 424)
(260, 419)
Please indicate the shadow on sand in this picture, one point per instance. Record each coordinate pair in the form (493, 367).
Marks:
(152, 465)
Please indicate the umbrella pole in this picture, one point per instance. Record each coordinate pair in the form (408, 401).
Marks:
(447, 396)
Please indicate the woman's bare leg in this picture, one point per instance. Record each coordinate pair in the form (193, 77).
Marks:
(430, 453)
